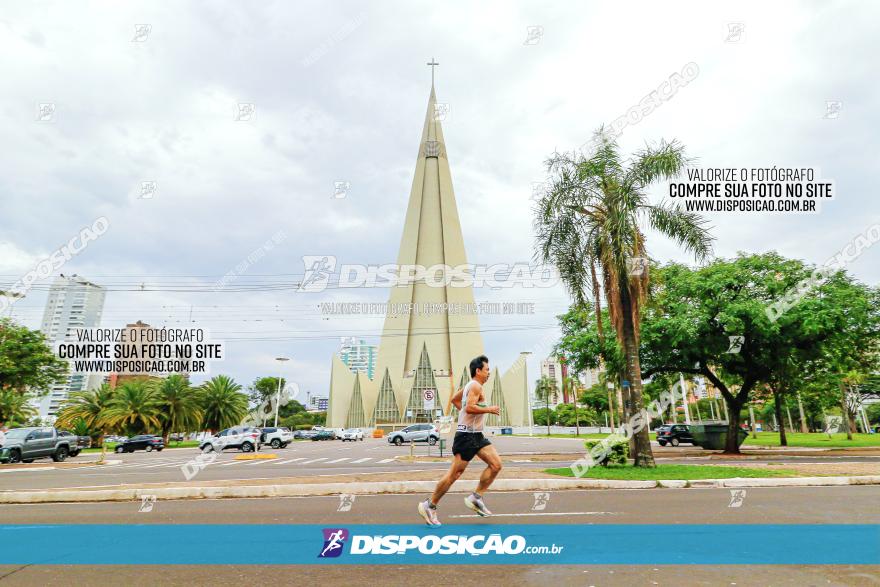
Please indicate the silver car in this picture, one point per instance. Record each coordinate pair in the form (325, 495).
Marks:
(415, 433)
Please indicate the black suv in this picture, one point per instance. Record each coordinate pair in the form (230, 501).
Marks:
(674, 434)
(146, 442)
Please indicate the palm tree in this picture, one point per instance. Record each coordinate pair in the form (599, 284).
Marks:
(15, 407)
(592, 217)
(223, 404)
(134, 408)
(544, 388)
(87, 406)
(179, 406)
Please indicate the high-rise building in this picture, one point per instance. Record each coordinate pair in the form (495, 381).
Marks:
(554, 370)
(358, 355)
(73, 302)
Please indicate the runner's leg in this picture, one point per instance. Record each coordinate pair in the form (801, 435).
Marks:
(488, 455)
(455, 470)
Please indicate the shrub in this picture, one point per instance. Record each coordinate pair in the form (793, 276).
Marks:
(617, 451)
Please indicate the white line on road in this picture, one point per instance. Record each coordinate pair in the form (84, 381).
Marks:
(383, 461)
(538, 514)
(338, 460)
(364, 460)
(315, 460)
(289, 461)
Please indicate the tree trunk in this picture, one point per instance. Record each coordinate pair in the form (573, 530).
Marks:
(777, 406)
(611, 409)
(844, 410)
(731, 444)
(804, 426)
(641, 439)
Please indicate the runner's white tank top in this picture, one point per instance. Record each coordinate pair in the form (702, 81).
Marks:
(469, 422)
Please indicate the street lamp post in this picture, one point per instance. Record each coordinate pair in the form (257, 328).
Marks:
(278, 394)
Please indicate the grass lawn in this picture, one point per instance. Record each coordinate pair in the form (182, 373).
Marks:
(631, 473)
(814, 440)
(111, 446)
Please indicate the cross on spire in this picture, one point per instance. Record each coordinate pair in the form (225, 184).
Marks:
(433, 64)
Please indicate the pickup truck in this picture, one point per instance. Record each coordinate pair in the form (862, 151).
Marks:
(81, 441)
(26, 444)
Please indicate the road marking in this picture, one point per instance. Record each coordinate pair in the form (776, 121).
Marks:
(386, 461)
(364, 460)
(233, 462)
(315, 460)
(338, 460)
(538, 514)
(289, 461)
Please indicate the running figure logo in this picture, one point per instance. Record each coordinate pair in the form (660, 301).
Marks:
(334, 540)
(318, 268)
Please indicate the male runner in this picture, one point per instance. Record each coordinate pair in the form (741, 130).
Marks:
(469, 441)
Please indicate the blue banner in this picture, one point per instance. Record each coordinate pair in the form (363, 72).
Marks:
(286, 544)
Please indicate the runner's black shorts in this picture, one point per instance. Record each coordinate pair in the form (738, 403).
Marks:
(468, 444)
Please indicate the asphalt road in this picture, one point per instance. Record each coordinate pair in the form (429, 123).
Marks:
(311, 459)
(814, 505)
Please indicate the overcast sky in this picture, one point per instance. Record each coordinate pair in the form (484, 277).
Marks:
(340, 91)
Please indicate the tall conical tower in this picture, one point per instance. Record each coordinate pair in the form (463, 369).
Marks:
(433, 343)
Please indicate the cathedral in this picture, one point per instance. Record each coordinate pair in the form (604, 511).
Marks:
(423, 357)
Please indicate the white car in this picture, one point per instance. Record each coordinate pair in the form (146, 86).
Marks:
(244, 438)
(352, 434)
(276, 437)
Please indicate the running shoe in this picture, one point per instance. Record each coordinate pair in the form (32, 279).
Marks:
(428, 513)
(476, 503)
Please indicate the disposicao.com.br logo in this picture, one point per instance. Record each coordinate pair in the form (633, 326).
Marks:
(393, 544)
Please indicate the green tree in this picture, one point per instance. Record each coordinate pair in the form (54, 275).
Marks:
(223, 404)
(15, 408)
(591, 217)
(89, 406)
(27, 363)
(545, 389)
(264, 388)
(693, 314)
(134, 408)
(180, 409)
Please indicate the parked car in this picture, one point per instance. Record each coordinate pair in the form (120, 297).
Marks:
(26, 444)
(276, 437)
(674, 434)
(324, 435)
(81, 442)
(147, 442)
(352, 434)
(304, 434)
(244, 438)
(415, 433)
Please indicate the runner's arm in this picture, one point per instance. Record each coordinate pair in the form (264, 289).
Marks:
(473, 400)
(456, 399)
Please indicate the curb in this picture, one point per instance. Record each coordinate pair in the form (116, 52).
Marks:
(401, 487)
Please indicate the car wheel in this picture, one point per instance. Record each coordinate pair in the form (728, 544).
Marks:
(160, 449)
(284, 445)
(398, 441)
(674, 442)
(362, 438)
(15, 457)
(74, 453)
(148, 448)
(119, 450)
(276, 443)
(27, 460)
(208, 448)
(432, 441)
(247, 447)
(60, 455)
(662, 442)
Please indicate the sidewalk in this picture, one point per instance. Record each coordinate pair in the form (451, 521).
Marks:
(403, 482)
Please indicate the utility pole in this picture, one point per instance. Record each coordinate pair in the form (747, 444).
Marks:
(752, 417)
(684, 396)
